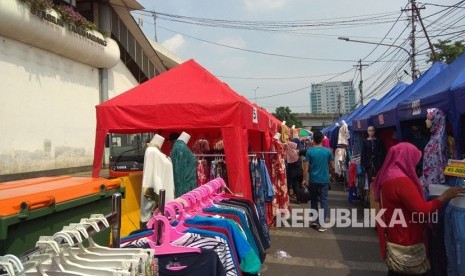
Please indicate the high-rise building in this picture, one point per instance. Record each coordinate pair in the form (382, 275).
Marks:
(332, 97)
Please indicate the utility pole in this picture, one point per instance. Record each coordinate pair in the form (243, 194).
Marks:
(360, 85)
(412, 39)
(435, 57)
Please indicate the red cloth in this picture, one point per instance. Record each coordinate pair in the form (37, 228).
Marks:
(352, 175)
(401, 161)
(403, 194)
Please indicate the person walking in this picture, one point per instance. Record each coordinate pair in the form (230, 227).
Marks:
(294, 171)
(316, 174)
(401, 194)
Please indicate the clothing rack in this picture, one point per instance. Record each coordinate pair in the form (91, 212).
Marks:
(114, 220)
(263, 152)
(210, 155)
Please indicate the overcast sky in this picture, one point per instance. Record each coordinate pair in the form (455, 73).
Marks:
(267, 59)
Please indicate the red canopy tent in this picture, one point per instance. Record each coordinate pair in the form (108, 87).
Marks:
(188, 98)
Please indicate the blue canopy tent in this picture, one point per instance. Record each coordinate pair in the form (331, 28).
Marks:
(433, 94)
(363, 120)
(355, 115)
(332, 131)
(387, 116)
(458, 94)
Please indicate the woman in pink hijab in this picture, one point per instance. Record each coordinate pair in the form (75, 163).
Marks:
(399, 189)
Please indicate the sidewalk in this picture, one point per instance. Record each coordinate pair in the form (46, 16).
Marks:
(338, 251)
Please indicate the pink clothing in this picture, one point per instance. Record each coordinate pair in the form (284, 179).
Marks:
(401, 161)
(292, 154)
(325, 143)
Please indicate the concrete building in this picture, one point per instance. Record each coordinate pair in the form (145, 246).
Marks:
(54, 74)
(332, 97)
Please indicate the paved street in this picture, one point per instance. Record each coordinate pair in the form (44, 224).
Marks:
(338, 251)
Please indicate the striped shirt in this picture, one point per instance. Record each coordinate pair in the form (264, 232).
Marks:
(217, 244)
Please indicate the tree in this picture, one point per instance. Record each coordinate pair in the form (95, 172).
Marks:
(285, 114)
(447, 51)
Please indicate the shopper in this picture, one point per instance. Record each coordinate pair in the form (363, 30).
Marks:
(316, 174)
(401, 194)
(294, 171)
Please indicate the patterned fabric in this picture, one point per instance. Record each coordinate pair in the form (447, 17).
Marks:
(216, 244)
(202, 172)
(184, 168)
(344, 135)
(435, 153)
(340, 156)
(279, 179)
(259, 196)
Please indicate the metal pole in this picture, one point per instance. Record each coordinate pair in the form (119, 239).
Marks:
(161, 211)
(411, 56)
(414, 73)
(116, 227)
(360, 86)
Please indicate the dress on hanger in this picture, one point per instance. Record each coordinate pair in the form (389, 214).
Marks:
(435, 153)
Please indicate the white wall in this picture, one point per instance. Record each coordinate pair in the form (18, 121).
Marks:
(120, 80)
(47, 109)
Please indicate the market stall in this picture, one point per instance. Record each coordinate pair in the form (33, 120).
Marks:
(189, 98)
(387, 116)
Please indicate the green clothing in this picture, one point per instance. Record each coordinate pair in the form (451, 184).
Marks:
(318, 159)
(184, 168)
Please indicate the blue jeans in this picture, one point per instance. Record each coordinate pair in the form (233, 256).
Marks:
(454, 231)
(319, 192)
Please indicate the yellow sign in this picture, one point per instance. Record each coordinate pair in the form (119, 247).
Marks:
(455, 171)
(455, 168)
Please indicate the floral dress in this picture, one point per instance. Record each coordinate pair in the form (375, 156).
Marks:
(435, 153)
(279, 179)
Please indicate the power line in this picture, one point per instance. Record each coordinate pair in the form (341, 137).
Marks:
(300, 89)
(260, 52)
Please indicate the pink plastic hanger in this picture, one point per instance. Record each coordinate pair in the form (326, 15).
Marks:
(180, 228)
(190, 203)
(199, 198)
(166, 247)
(180, 208)
(174, 233)
(207, 195)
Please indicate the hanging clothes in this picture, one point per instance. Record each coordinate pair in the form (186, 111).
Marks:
(340, 157)
(203, 174)
(157, 174)
(217, 244)
(259, 191)
(279, 179)
(206, 262)
(184, 168)
(226, 224)
(344, 134)
(435, 153)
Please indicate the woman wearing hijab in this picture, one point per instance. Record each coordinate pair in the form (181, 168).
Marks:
(294, 170)
(401, 194)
